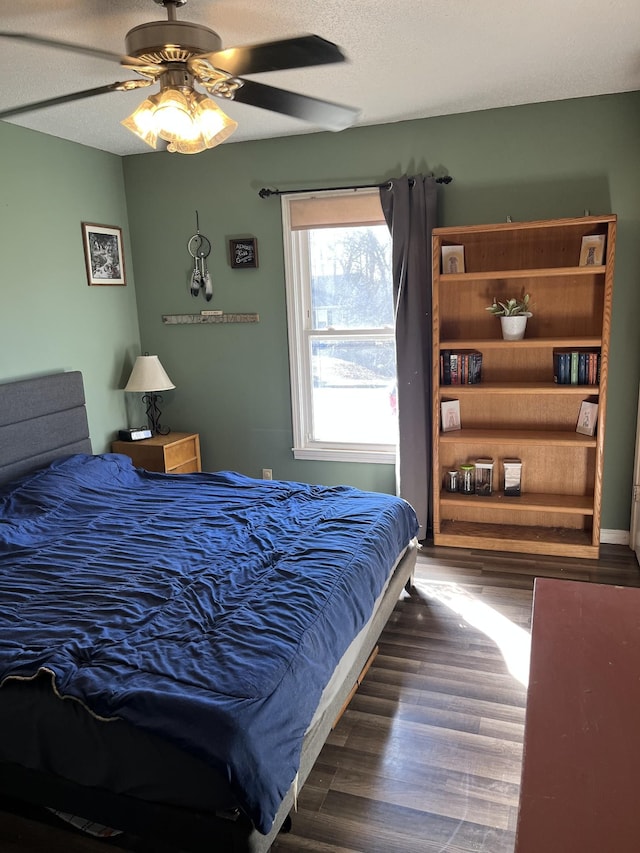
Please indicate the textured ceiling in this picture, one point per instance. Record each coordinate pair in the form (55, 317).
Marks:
(407, 58)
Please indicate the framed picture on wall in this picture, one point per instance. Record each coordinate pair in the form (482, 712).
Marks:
(103, 254)
(243, 253)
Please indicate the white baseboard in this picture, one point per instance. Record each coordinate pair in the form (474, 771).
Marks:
(615, 537)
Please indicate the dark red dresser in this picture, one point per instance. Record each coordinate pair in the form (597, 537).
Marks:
(580, 790)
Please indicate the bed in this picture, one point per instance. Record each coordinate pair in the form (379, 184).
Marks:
(174, 649)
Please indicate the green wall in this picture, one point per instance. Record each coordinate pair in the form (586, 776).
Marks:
(537, 161)
(50, 319)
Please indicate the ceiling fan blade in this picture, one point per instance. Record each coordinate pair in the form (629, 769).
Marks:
(322, 113)
(296, 52)
(74, 96)
(130, 61)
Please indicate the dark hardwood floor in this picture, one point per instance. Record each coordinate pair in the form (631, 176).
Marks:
(427, 757)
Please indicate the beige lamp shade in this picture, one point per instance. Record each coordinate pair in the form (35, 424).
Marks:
(148, 375)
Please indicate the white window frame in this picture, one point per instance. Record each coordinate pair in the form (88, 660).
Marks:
(301, 336)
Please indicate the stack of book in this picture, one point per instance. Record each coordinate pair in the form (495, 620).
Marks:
(460, 367)
(576, 367)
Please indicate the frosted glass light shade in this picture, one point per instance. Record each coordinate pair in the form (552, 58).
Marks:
(172, 117)
(188, 121)
(148, 375)
(141, 122)
(215, 125)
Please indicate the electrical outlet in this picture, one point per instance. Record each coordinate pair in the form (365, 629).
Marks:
(267, 474)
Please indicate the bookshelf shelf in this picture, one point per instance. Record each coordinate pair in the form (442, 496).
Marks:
(563, 504)
(533, 438)
(490, 275)
(527, 343)
(562, 542)
(514, 388)
(517, 409)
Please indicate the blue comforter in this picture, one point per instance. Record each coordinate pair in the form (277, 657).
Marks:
(210, 609)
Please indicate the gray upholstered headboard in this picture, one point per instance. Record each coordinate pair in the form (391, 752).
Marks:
(40, 420)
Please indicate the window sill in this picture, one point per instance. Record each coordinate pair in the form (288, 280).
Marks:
(333, 454)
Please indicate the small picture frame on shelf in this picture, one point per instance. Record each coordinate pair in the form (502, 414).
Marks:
(587, 418)
(452, 260)
(592, 250)
(450, 415)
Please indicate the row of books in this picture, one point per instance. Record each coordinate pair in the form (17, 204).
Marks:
(576, 367)
(570, 367)
(460, 367)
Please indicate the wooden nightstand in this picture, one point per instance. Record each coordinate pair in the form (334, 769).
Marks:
(176, 453)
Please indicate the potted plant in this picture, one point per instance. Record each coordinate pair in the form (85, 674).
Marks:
(513, 315)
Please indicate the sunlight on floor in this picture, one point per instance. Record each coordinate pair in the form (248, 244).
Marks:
(513, 641)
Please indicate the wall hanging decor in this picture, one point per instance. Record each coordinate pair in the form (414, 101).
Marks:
(103, 254)
(208, 318)
(200, 279)
(243, 253)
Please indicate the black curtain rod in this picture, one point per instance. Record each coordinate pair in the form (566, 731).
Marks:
(265, 192)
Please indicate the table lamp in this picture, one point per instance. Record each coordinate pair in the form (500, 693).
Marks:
(149, 376)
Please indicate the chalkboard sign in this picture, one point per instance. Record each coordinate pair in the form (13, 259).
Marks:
(244, 253)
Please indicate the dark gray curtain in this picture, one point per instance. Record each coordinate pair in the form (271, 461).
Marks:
(410, 209)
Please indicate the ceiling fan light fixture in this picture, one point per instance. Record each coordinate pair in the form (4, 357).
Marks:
(188, 121)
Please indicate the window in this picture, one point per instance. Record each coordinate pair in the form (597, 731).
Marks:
(341, 326)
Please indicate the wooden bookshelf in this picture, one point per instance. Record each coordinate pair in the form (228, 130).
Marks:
(517, 410)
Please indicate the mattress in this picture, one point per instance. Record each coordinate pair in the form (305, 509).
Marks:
(203, 612)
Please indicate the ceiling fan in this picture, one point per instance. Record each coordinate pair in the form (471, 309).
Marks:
(177, 55)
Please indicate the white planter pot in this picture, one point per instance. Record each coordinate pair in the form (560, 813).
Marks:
(513, 327)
